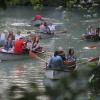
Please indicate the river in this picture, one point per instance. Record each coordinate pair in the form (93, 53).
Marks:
(31, 69)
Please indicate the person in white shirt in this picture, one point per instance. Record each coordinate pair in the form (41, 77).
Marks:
(52, 28)
(2, 38)
(18, 35)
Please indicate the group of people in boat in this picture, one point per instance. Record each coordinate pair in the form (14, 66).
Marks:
(62, 61)
(91, 32)
(43, 26)
(15, 43)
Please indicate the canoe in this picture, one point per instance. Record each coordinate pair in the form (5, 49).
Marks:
(8, 55)
(59, 73)
(45, 35)
(91, 37)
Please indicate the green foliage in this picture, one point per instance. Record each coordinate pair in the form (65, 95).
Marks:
(70, 3)
(92, 65)
(36, 4)
(12, 2)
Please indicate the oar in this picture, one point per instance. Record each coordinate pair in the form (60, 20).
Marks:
(33, 55)
(90, 47)
(92, 59)
(94, 46)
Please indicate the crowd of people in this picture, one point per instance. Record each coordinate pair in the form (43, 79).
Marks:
(17, 44)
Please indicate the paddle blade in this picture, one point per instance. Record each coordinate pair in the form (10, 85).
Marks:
(90, 47)
(92, 59)
(32, 54)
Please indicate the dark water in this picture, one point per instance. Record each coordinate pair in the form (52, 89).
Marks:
(32, 69)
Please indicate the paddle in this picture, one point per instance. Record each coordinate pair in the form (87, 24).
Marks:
(90, 47)
(33, 55)
(94, 46)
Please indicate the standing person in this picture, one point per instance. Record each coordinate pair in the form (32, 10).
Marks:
(18, 46)
(55, 62)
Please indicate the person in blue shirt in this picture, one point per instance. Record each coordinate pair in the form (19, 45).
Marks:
(55, 62)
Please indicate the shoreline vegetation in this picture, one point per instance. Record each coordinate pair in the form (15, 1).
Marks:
(39, 4)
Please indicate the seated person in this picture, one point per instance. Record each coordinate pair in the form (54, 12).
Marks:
(18, 35)
(55, 62)
(8, 44)
(36, 46)
(70, 58)
(97, 31)
(2, 38)
(90, 31)
(52, 28)
(37, 17)
(18, 46)
(42, 27)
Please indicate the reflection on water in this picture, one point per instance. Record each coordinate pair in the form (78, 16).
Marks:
(22, 72)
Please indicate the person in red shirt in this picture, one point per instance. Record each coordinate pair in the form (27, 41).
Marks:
(37, 17)
(37, 20)
(18, 46)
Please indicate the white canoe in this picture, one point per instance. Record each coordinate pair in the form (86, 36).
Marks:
(7, 55)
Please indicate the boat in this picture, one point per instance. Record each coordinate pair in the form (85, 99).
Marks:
(91, 37)
(55, 74)
(45, 35)
(8, 55)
